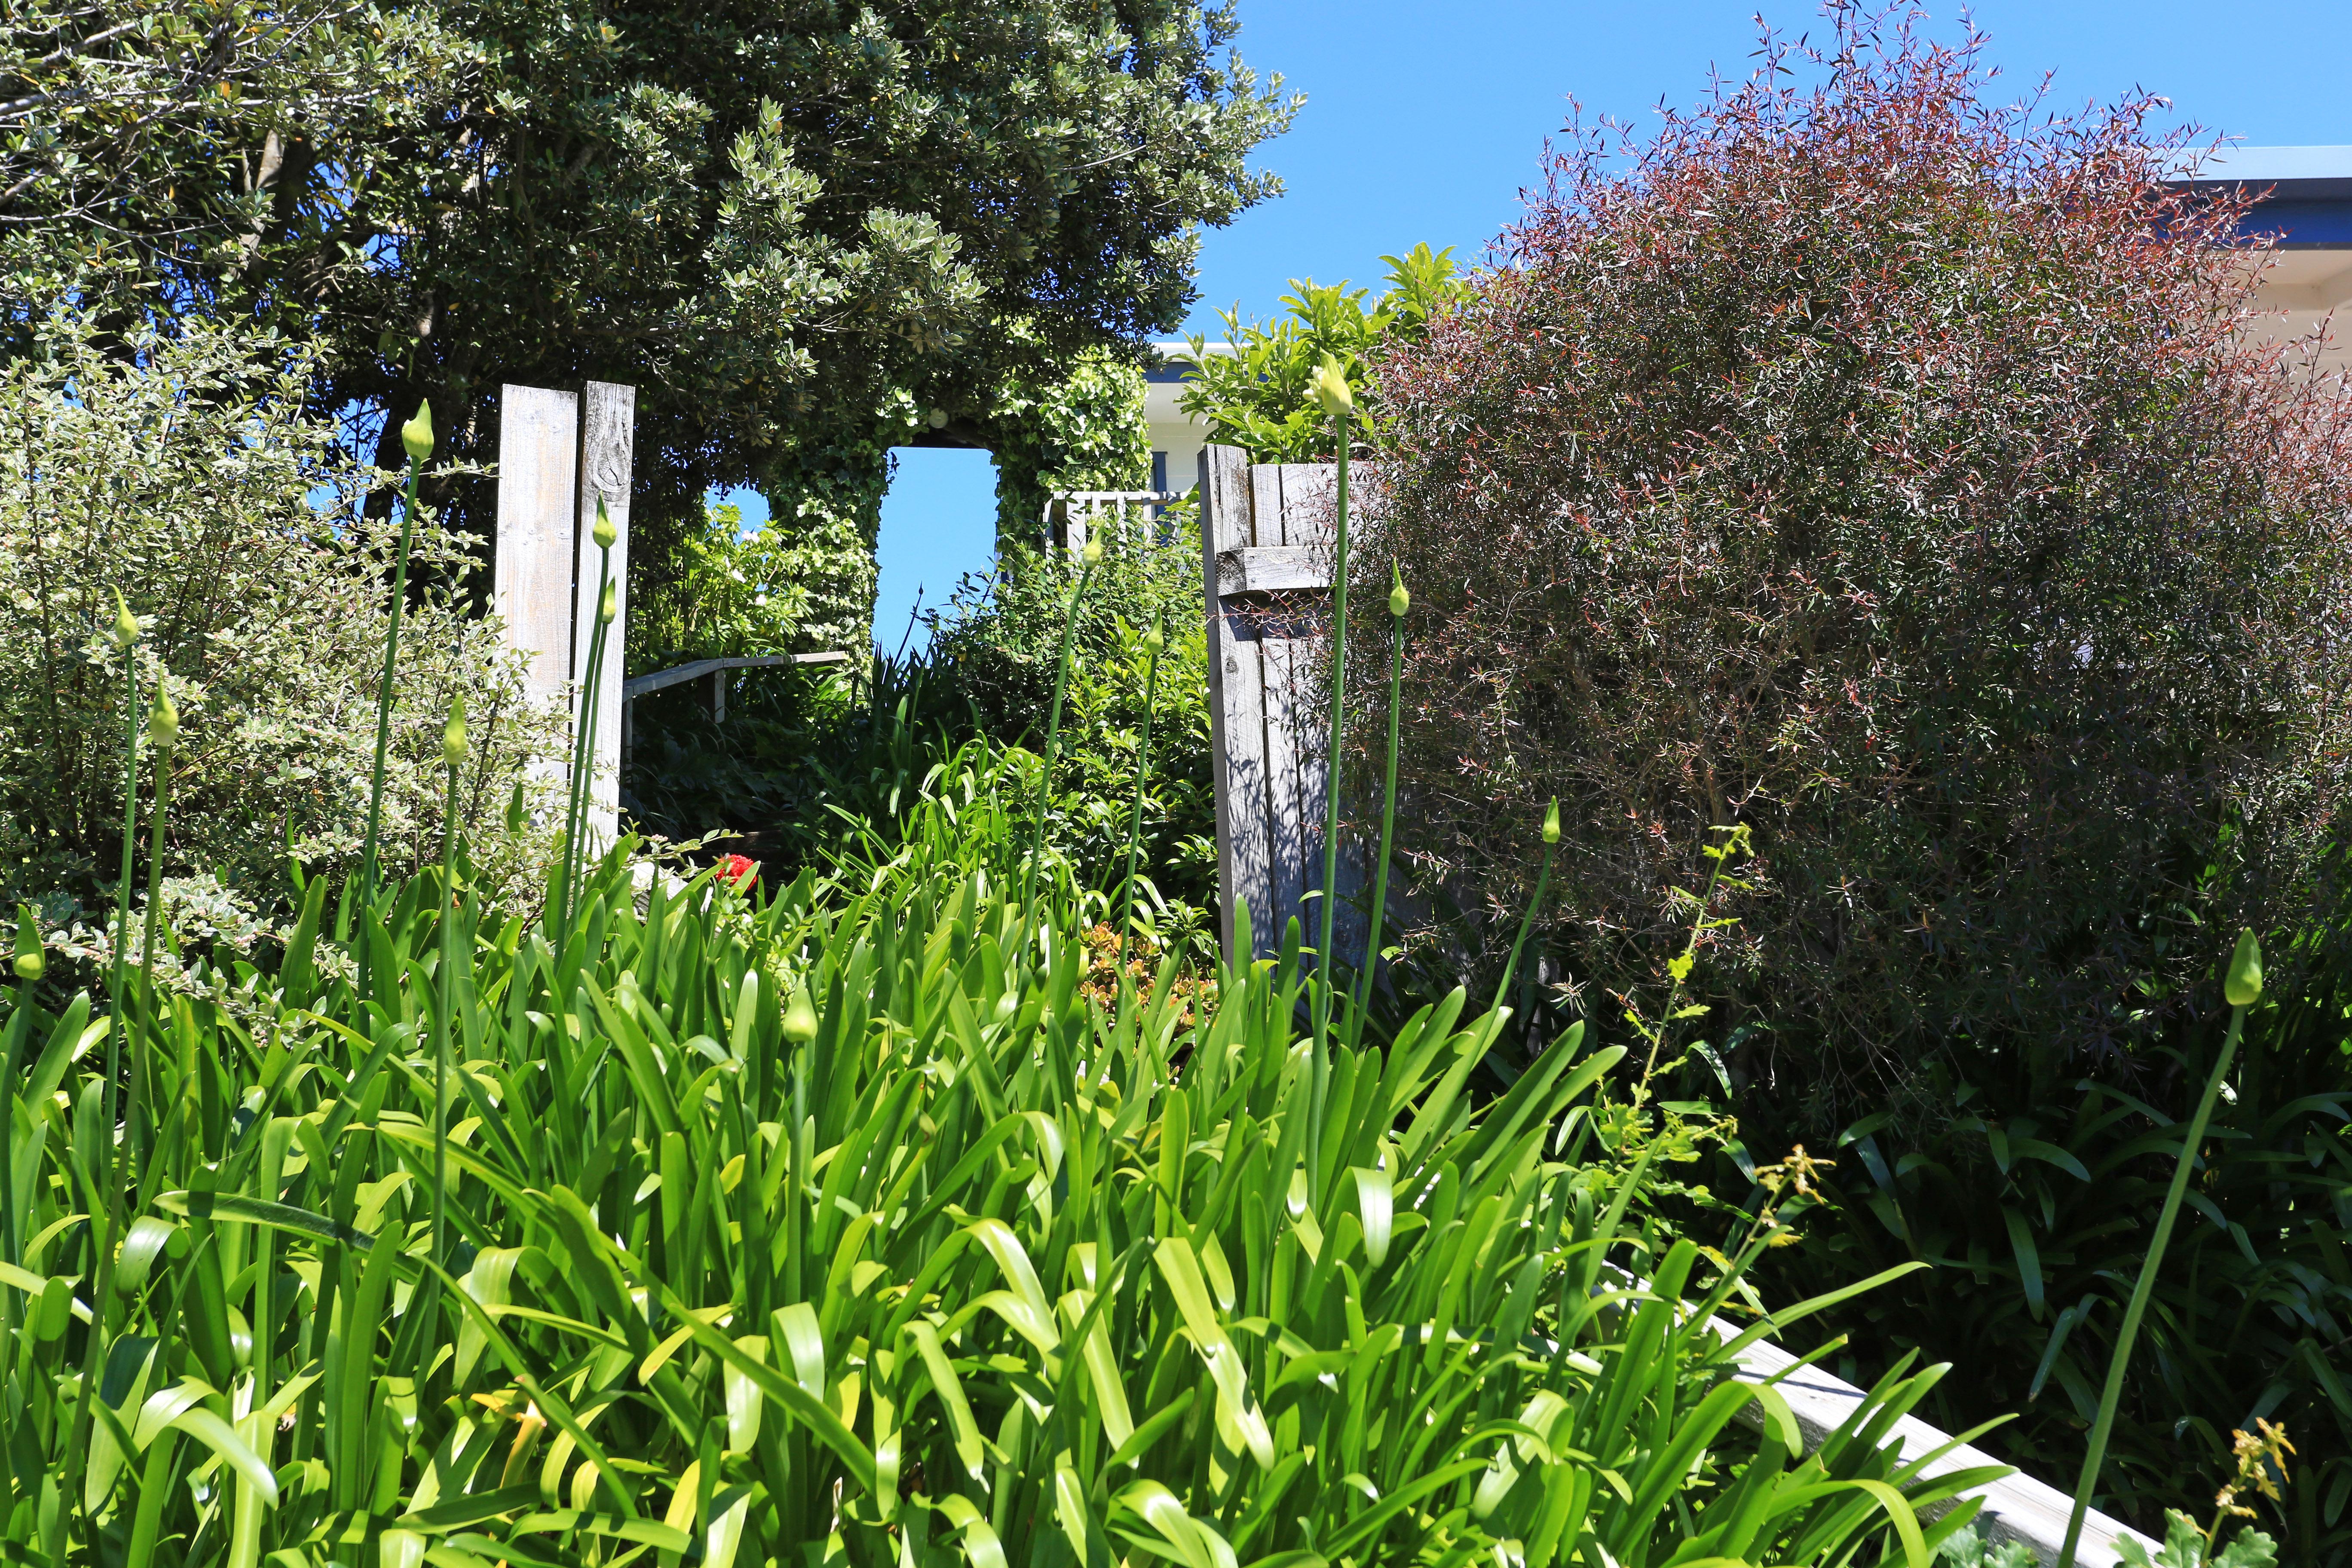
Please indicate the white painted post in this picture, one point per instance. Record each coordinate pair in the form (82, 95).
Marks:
(558, 453)
(608, 419)
(538, 445)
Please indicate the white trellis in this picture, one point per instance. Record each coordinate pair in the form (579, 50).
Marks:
(1073, 516)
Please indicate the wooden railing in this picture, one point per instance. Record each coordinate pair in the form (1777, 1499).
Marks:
(718, 669)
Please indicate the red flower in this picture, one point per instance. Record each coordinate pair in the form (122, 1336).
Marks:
(738, 871)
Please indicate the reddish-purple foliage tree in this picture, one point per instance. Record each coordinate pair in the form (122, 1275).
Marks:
(1892, 467)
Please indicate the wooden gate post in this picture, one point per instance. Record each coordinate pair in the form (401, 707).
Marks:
(1265, 543)
(558, 453)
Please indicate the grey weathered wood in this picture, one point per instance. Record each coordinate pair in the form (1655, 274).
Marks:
(1236, 703)
(539, 442)
(1309, 493)
(1298, 760)
(1267, 528)
(1274, 568)
(608, 421)
(1294, 799)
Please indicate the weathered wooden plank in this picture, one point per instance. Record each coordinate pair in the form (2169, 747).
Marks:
(1265, 505)
(1274, 568)
(531, 584)
(1236, 710)
(1310, 491)
(1293, 780)
(607, 436)
(1304, 532)
(2016, 1508)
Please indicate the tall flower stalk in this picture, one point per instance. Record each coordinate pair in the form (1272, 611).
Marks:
(1528, 921)
(1090, 557)
(453, 756)
(1156, 641)
(2241, 988)
(1331, 390)
(584, 753)
(126, 640)
(163, 739)
(1398, 603)
(108, 1242)
(417, 440)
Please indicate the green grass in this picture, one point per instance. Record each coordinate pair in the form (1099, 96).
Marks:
(843, 1228)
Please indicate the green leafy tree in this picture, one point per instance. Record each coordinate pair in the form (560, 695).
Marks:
(735, 593)
(1080, 430)
(1258, 395)
(789, 223)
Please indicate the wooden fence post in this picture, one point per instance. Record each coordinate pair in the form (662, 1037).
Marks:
(559, 452)
(1265, 543)
(539, 442)
(607, 433)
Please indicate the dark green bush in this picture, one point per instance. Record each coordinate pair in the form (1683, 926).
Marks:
(2032, 1201)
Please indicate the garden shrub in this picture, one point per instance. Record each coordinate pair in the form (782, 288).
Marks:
(2035, 1207)
(992, 662)
(1257, 397)
(1080, 429)
(1889, 469)
(180, 470)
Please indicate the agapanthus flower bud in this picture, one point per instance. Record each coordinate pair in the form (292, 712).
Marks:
(126, 624)
(604, 534)
(1551, 823)
(800, 1017)
(453, 734)
(611, 605)
(1091, 551)
(1399, 600)
(1155, 639)
(517, 809)
(32, 959)
(416, 435)
(163, 722)
(2244, 985)
(1329, 384)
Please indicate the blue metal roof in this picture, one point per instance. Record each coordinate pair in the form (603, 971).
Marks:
(2305, 192)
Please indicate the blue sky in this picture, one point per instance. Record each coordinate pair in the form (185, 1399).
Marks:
(1424, 121)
